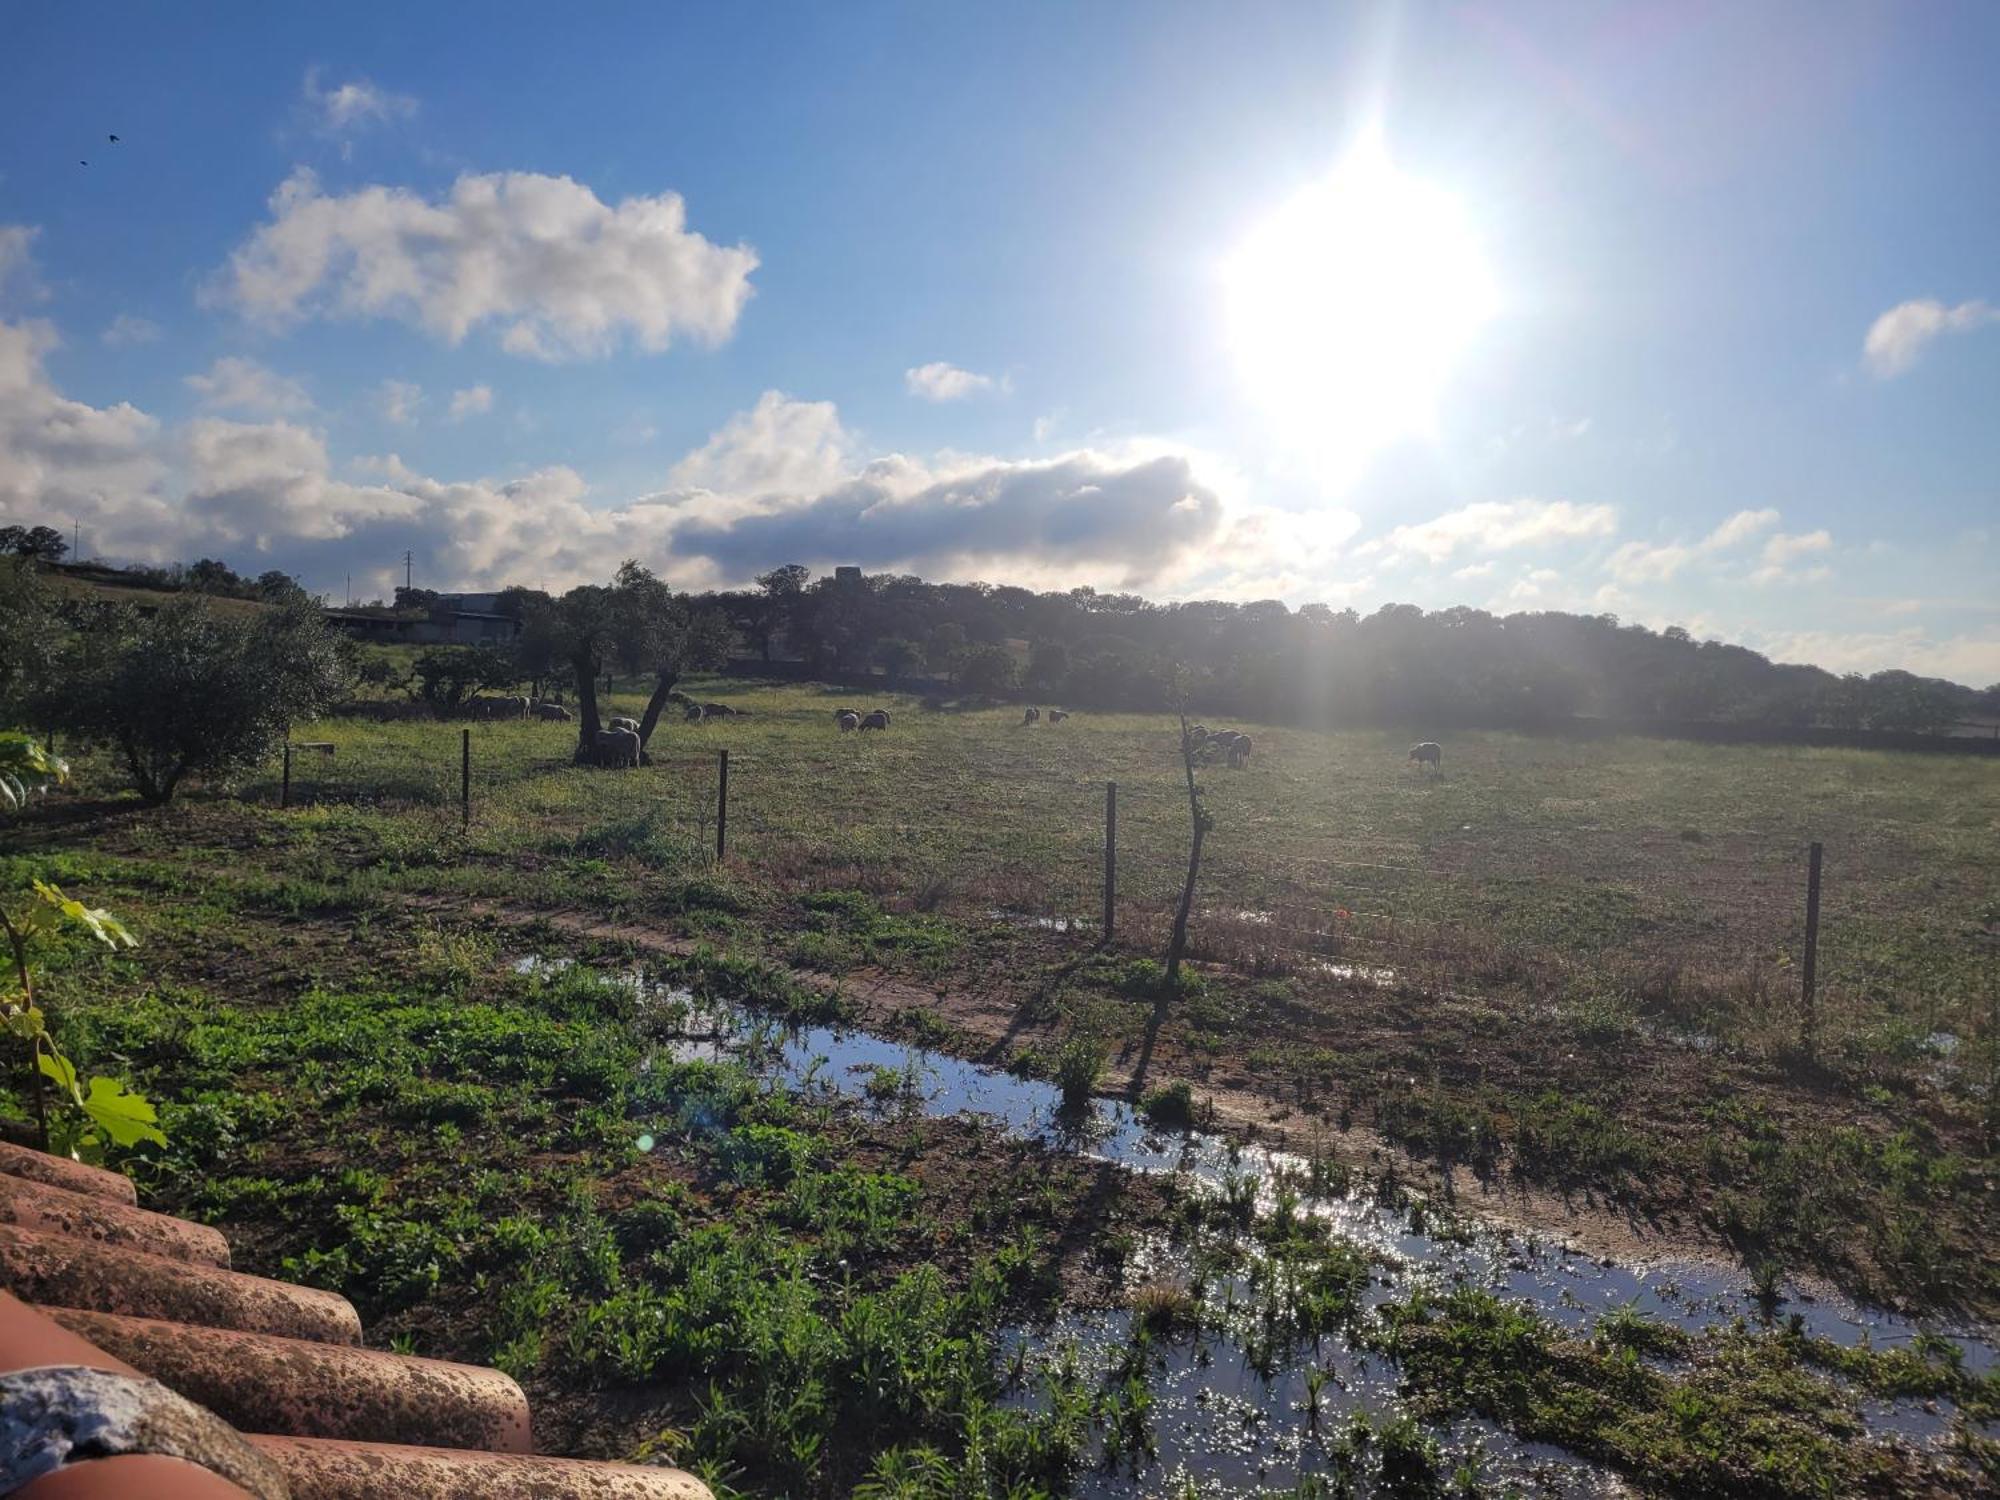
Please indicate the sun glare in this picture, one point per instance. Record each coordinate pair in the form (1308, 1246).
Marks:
(1348, 308)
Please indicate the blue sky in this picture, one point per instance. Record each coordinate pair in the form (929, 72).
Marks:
(954, 290)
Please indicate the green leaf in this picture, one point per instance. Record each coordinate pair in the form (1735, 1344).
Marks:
(55, 1065)
(127, 1118)
(106, 928)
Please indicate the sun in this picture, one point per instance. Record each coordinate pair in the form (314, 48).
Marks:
(1349, 307)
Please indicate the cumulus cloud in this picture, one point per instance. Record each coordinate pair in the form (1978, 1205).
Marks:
(236, 384)
(1650, 562)
(63, 458)
(939, 381)
(348, 106)
(473, 401)
(398, 401)
(780, 448)
(1498, 526)
(558, 273)
(125, 330)
(1136, 518)
(1897, 337)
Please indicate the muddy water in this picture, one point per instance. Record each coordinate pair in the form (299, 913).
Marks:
(1214, 1416)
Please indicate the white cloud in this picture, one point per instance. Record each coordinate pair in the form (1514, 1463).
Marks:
(398, 401)
(356, 103)
(236, 384)
(1973, 660)
(125, 330)
(939, 381)
(1783, 549)
(473, 401)
(780, 447)
(1497, 526)
(559, 273)
(1897, 337)
(61, 458)
(1648, 562)
(1475, 570)
(17, 257)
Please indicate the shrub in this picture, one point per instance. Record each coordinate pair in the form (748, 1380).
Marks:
(1170, 1107)
(191, 690)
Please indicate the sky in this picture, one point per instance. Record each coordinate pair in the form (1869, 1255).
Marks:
(1687, 313)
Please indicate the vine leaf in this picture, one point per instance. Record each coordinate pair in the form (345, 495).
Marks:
(106, 928)
(127, 1118)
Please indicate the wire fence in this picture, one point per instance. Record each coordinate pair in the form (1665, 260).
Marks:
(1358, 903)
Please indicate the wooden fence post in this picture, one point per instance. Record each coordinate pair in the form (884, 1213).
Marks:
(1811, 996)
(1110, 857)
(721, 805)
(465, 778)
(285, 781)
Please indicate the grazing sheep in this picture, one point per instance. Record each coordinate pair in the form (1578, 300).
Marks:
(719, 711)
(621, 722)
(879, 719)
(693, 713)
(553, 713)
(1057, 715)
(848, 720)
(617, 747)
(1429, 753)
(1031, 716)
(1239, 750)
(515, 708)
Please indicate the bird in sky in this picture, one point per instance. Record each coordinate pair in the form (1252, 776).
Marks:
(114, 140)
(83, 164)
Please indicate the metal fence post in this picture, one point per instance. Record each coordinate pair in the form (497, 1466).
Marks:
(1812, 949)
(465, 778)
(721, 804)
(1110, 857)
(285, 781)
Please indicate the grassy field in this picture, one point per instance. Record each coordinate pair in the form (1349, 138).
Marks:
(1557, 986)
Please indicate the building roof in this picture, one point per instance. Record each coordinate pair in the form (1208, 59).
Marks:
(134, 1361)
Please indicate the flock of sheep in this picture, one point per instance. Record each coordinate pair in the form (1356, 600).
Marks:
(618, 743)
(1231, 744)
(850, 721)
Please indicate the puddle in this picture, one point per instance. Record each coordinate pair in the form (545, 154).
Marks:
(1029, 919)
(1214, 1415)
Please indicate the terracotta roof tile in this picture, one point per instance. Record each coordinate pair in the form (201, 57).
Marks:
(133, 1294)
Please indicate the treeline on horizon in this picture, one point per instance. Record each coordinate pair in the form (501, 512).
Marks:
(1263, 660)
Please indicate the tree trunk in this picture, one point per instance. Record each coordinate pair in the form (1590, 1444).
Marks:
(663, 684)
(1179, 944)
(1198, 821)
(586, 703)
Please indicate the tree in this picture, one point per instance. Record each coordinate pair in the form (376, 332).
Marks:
(448, 675)
(896, 655)
(273, 586)
(1200, 823)
(190, 690)
(987, 671)
(945, 647)
(1048, 666)
(43, 543)
(213, 576)
(30, 637)
(641, 625)
(664, 634)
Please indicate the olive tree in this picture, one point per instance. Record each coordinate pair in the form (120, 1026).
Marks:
(642, 626)
(194, 689)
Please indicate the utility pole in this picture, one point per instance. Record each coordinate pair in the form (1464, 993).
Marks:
(407, 564)
(75, 539)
